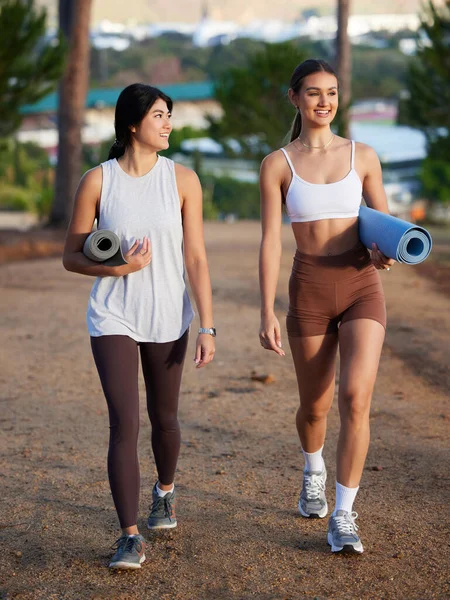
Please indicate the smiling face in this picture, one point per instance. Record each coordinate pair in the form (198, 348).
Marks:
(154, 129)
(317, 98)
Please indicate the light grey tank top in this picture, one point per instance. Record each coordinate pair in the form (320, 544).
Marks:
(151, 305)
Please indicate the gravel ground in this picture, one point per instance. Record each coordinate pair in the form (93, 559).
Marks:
(239, 534)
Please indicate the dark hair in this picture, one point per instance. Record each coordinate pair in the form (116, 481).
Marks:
(307, 67)
(133, 104)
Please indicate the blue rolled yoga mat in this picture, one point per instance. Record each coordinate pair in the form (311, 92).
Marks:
(397, 239)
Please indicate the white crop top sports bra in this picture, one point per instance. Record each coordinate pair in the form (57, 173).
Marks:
(307, 201)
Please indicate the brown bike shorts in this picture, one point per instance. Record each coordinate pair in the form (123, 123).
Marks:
(326, 291)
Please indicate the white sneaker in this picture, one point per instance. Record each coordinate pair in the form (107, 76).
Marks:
(342, 536)
(312, 502)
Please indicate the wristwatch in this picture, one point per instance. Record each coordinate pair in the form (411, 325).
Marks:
(210, 330)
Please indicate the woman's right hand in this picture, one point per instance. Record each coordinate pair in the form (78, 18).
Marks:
(270, 334)
(138, 257)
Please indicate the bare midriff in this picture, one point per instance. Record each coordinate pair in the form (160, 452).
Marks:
(326, 237)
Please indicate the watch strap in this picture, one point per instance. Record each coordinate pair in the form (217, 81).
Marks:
(209, 330)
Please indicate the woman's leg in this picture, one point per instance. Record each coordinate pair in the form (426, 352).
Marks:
(360, 344)
(315, 365)
(162, 365)
(116, 358)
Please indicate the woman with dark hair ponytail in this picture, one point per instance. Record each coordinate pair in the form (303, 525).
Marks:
(142, 307)
(116, 151)
(335, 295)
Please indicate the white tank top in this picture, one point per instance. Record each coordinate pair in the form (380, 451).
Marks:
(307, 201)
(150, 305)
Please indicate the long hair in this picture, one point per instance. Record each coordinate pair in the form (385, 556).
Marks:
(307, 67)
(133, 104)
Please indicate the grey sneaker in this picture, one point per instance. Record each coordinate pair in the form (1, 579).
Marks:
(342, 536)
(162, 511)
(129, 552)
(312, 501)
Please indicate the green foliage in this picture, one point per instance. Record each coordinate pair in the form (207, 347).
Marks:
(254, 98)
(428, 77)
(435, 171)
(435, 178)
(427, 105)
(229, 196)
(92, 156)
(210, 210)
(29, 66)
(26, 178)
(377, 73)
(196, 64)
(222, 58)
(16, 198)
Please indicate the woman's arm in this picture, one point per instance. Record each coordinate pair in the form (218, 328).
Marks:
(190, 193)
(375, 197)
(373, 190)
(87, 200)
(270, 249)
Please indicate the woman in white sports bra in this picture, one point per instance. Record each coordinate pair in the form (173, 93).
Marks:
(335, 293)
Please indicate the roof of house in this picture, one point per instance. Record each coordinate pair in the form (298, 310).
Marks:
(101, 98)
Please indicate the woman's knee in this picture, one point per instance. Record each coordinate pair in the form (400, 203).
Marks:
(354, 405)
(314, 413)
(125, 429)
(164, 421)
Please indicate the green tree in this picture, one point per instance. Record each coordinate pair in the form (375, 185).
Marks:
(427, 105)
(29, 65)
(378, 72)
(254, 99)
(25, 178)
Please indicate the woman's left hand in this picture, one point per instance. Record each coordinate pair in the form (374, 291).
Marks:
(379, 260)
(204, 350)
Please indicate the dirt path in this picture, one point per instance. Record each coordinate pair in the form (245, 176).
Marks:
(239, 536)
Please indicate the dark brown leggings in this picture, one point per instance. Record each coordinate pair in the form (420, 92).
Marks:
(116, 358)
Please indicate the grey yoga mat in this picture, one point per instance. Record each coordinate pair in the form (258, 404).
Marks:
(397, 239)
(103, 246)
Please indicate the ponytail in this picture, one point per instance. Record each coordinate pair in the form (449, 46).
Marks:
(117, 150)
(296, 126)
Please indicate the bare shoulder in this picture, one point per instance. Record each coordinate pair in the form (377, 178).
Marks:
(366, 154)
(92, 180)
(185, 175)
(86, 201)
(275, 162)
(188, 183)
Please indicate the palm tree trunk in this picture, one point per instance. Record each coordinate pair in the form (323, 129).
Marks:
(74, 17)
(344, 67)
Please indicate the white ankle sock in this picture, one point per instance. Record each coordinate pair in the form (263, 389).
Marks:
(313, 460)
(344, 498)
(161, 493)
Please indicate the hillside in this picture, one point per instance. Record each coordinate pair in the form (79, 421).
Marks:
(146, 11)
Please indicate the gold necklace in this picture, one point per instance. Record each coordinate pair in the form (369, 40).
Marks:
(317, 147)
